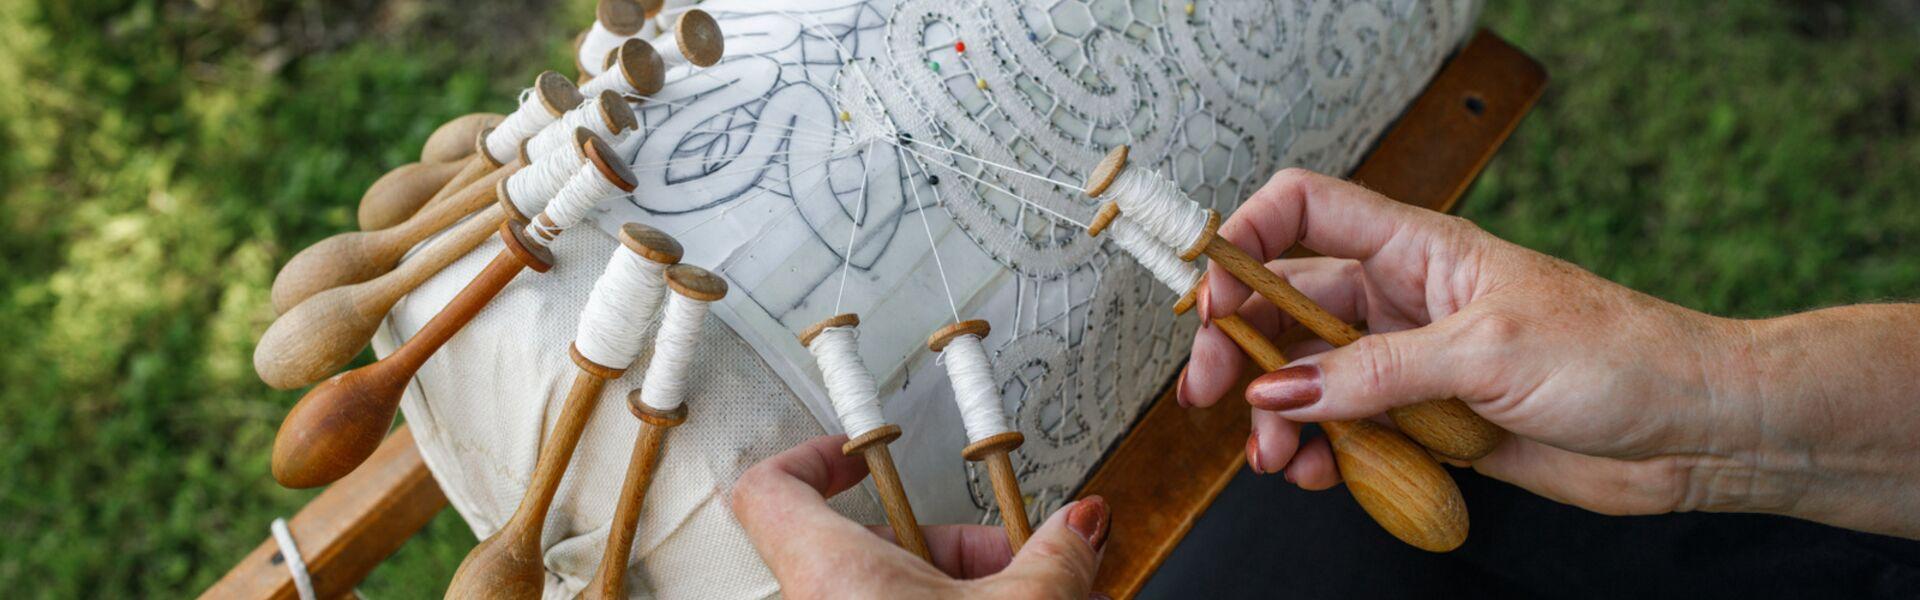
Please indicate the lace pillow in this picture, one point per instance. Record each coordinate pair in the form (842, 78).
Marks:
(891, 158)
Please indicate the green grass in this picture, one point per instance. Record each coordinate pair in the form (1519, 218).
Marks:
(161, 159)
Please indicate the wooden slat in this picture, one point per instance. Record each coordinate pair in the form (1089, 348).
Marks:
(348, 529)
(1176, 461)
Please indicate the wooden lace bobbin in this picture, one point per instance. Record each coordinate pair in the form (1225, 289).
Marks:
(509, 563)
(614, 21)
(607, 115)
(354, 257)
(633, 69)
(694, 39)
(453, 140)
(401, 192)
(1141, 245)
(324, 333)
(553, 95)
(340, 422)
(1402, 487)
(872, 445)
(995, 450)
(1393, 479)
(661, 405)
(566, 210)
(1446, 426)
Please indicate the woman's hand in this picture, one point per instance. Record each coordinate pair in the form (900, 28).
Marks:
(816, 553)
(1620, 402)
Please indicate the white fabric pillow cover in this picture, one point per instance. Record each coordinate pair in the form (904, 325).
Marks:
(750, 164)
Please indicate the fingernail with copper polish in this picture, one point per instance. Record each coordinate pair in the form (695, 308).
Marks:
(1206, 304)
(1286, 389)
(1180, 390)
(1089, 518)
(1253, 453)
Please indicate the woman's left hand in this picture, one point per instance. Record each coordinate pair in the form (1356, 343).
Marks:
(816, 553)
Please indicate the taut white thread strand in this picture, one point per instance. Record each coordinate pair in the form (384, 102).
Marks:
(850, 386)
(1158, 205)
(621, 306)
(579, 196)
(973, 389)
(1158, 258)
(556, 135)
(665, 387)
(532, 187)
(932, 246)
(504, 143)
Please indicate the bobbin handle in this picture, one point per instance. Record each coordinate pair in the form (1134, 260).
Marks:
(1397, 483)
(1446, 425)
(872, 446)
(995, 452)
(611, 580)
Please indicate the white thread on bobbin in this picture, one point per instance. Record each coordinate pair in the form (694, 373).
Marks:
(594, 48)
(621, 306)
(557, 134)
(1158, 205)
(582, 192)
(532, 115)
(1157, 258)
(533, 186)
(296, 565)
(973, 389)
(665, 386)
(850, 386)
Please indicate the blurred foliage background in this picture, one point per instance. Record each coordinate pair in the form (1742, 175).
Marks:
(162, 158)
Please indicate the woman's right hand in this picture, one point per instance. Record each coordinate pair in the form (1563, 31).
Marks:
(1620, 402)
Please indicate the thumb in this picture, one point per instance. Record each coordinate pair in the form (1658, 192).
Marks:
(1362, 379)
(1060, 560)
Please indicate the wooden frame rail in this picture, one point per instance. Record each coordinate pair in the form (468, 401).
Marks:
(1166, 472)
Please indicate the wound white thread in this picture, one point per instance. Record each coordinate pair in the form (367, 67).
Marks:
(850, 386)
(1157, 258)
(594, 48)
(614, 77)
(582, 192)
(665, 386)
(668, 45)
(533, 186)
(558, 134)
(973, 388)
(1158, 205)
(621, 306)
(503, 144)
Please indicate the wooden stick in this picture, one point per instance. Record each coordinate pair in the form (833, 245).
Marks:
(1393, 479)
(1446, 426)
(508, 564)
(401, 192)
(701, 286)
(610, 582)
(453, 140)
(873, 446)
(324, 333)
(340, 422)
(357, 256)
(995, 451)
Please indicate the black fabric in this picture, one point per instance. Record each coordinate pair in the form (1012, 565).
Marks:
(1264, 538)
